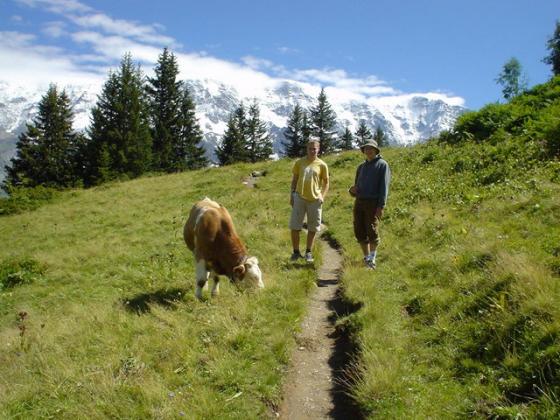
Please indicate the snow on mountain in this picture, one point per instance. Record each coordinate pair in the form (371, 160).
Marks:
(405, 119)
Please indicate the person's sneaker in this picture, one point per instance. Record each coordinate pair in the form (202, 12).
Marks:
(370, 264)
(309, 257)
(295, 256)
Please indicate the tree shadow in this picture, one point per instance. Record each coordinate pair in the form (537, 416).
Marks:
(344, 353)
(167, 298)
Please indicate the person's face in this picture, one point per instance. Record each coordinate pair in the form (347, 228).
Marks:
(370, 152)
(312, 150)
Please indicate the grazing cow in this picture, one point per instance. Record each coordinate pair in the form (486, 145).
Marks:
(209, 233)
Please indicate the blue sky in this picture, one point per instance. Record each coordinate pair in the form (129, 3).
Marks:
(368, 48)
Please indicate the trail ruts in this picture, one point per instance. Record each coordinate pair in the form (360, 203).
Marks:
(314, 387)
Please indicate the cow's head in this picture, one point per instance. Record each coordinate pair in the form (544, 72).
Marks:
(249, 273)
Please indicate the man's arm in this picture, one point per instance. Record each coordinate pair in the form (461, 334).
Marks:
(293, 188)
(386, 179)
(325, 188)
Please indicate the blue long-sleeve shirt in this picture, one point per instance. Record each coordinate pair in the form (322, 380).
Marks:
(372, 180)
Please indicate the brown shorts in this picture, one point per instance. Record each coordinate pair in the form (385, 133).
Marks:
(365, 223)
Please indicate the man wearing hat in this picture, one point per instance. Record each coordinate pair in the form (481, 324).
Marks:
(371, 188)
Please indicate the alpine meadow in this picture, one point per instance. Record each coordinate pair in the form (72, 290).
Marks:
(459, 316)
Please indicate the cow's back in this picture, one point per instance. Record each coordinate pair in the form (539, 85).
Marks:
(201, 215)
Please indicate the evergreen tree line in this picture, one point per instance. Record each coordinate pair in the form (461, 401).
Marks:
(138, 124)
(320, 122)
(246, 138)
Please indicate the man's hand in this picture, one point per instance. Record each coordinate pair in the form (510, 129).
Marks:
(352, 190)
(379, 212)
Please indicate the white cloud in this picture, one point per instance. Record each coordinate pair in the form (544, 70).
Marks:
(114, 47)
(16, 18)
(25, 62)
(144, 33)
(103, 41)
(58, 6)
(55, 29)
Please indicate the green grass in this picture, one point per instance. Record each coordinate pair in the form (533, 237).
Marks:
(461, 318)
(112, 327)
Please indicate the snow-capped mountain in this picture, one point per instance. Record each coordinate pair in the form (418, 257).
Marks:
(405, 119)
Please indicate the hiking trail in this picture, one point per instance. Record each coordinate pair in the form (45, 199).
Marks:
(314, 383)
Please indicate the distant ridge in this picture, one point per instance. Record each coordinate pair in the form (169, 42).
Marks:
(405, 119)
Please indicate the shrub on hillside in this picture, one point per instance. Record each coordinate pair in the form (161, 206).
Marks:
(20, 271)
(533, 117)
(25, 199)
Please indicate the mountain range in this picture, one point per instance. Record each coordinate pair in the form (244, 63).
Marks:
(405, 119)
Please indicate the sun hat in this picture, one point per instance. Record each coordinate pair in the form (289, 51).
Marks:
(371, 143)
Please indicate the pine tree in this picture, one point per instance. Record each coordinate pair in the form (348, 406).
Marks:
(120, 127)
(363, 133)
(347, 140)
(46, 152)
(323, 121)
(257, 139)
(164, 92)
(511, 79)
(297, 133)
(306, 131)
(553, 45)
(25, 166)
(379, 137)
(189, 154)
(233, 148)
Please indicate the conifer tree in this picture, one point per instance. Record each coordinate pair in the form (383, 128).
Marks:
(257, 139)
(47, 150)
(233, 148)
(306, 130)
(363, 133)
(189, 154)
(380, 137)
(511, 79)
(164, 91)
(119, 131)
(25, 166)
(347, 140)
(296, 141)
(553, 45)
(323, 121)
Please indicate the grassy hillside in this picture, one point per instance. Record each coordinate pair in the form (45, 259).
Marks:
(461, 318)
(112, 328)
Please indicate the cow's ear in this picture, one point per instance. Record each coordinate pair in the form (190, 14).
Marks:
(239, 271)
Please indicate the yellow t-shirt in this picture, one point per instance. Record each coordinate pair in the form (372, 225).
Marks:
(311, 176)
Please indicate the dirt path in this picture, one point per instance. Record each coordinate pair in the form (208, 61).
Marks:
(313, 387)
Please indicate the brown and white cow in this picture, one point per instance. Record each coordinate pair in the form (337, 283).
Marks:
(209, 233)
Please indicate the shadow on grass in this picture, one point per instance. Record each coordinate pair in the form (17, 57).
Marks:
(167, 298)
(345, 351)
(345, 348)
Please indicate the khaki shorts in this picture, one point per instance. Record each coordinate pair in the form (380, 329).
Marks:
(312, 209)
(366, 225)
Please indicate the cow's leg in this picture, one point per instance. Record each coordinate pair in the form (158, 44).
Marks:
(201, 277)
(215, 285)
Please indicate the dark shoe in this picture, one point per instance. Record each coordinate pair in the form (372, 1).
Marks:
(295, 256)
(309, 257)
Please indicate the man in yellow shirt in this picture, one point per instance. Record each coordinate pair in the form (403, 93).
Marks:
(310, 184)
